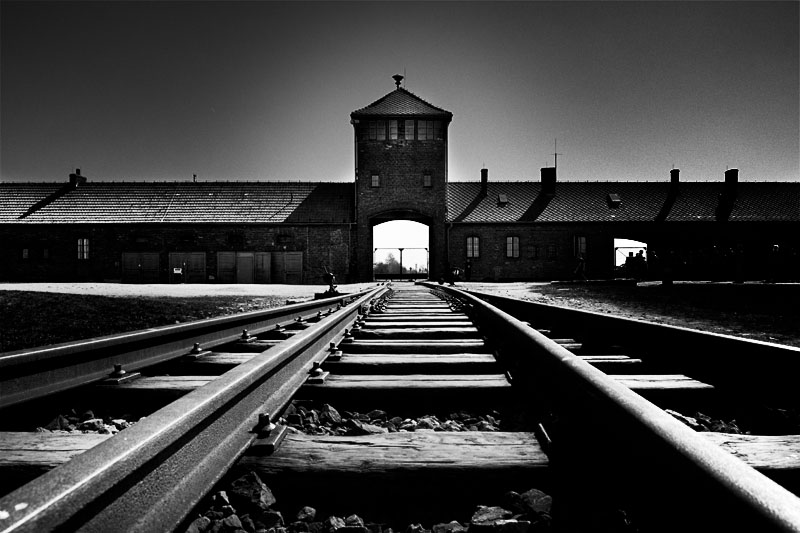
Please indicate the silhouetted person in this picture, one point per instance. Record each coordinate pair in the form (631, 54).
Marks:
(580, 270)
(773, 264)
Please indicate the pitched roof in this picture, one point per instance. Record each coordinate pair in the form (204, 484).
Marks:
(17, 198)
(401, 102)
(185, 202)
(638, 202)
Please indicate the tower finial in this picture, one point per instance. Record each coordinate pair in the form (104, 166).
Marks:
(397, 79)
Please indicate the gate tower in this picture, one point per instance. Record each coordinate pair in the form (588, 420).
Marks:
(401, 171)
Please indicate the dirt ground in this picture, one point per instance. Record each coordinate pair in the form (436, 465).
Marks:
(764, 312)
(759, 311)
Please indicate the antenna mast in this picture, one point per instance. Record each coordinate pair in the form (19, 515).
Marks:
(555, 153)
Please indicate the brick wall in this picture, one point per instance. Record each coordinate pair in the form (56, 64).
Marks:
(322, 245)
(401, 166)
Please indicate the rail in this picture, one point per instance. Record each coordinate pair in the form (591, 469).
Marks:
(727, 490)
(150, 476)
(28, 374)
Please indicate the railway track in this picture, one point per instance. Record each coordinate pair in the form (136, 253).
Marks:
(580, 397)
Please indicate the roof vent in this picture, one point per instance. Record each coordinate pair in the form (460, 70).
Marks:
(613, 200)
(502, 200)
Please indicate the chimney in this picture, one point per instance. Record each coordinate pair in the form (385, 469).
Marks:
(549, 181)
(731, 180)
(485, 181)
(76, 179)
(674, 177)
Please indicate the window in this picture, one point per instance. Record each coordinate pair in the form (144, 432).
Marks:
(580, 246)
(425, 132)
(83, 248)
(45, 253)
(24, 253)
(426, 179)
(536, 251)
(437, 130)
(393, 129)
(552, 251)
(512, 246)
(376, 180)
(377, 130)
(409, 130)
(473, 247)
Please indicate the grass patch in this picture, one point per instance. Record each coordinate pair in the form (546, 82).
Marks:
(32, 319)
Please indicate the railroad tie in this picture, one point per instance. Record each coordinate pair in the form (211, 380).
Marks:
(423, 470)
(438, 359)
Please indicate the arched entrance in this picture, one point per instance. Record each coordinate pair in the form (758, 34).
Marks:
(401, 245)
(400, 250)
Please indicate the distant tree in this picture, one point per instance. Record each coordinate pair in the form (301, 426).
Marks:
(389, 266)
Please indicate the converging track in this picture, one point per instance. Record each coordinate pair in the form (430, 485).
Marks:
(586, 393)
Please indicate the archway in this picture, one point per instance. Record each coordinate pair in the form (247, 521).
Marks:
(401, 249)
(630, 258)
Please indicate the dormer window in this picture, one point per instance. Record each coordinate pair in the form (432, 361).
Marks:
(502, 200)
(614, 200)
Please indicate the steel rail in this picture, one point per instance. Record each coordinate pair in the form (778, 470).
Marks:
(28, 374)
(150, 476)
(758, 368)
(726, 489)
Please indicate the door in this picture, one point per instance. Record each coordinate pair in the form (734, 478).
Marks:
(263, 267)
(226, 267)
(187, 267)
(294, 268)
(244, 267)
(140, 267)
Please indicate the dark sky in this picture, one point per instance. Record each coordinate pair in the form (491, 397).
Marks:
(263, 90)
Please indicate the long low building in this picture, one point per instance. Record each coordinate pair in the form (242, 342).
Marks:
(293, 232)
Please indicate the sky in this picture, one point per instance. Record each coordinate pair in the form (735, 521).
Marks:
(263, 90)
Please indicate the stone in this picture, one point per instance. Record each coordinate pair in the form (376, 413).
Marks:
(59, 422)
(267, 518)
(199, 525)
(247, 523)
(316, 527)
(536, 501)
(329, 414)
(354, 521)
(87, 415)
(511, 526)
(377, 414)
(451, 527)
(332, 523)
(120, 423)
(306, 514)
(487, 516)
(357, 427)
(93, 424)
(220, 499)
(415, 528)
(231, 523)
(249, 492)
(298, 527)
